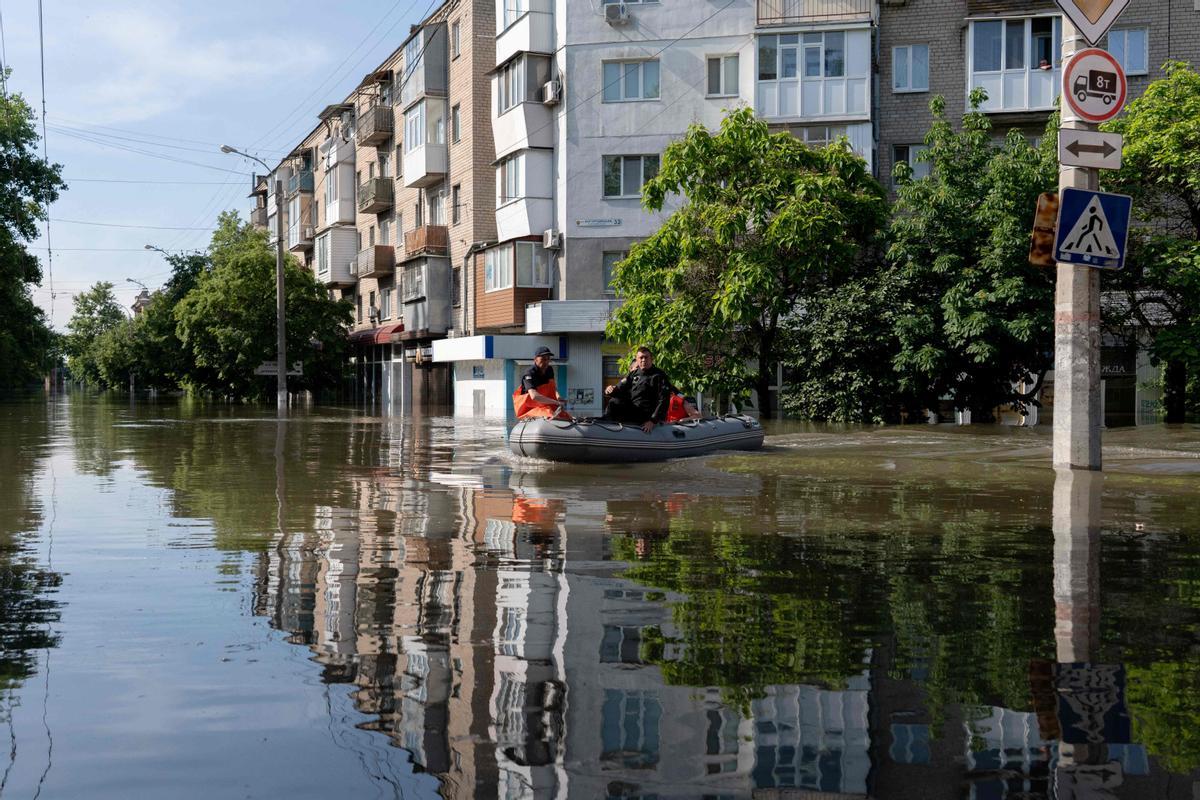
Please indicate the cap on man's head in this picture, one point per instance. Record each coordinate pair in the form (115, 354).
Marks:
(543, 351)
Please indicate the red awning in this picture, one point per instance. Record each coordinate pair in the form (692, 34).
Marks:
(383, 334)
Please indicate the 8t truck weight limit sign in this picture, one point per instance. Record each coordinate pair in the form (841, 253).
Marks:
(1094, 85)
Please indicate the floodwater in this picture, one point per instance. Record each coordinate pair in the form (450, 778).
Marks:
(199, 601)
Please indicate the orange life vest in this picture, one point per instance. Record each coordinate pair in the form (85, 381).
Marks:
(676, 411)
(525, 406)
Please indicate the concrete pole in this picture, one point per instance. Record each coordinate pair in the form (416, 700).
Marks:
(281, 400)
(1077, 411)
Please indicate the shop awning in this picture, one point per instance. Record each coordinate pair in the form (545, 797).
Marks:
(383, 334)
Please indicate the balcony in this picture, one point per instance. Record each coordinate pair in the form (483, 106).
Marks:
(258, 217)
(424, 165)
(432, 240)
(528, 124)
(376, 261)
(793, 12)
(375, 195)
(300, 182)
(300, 238)
(532, 32)
(375, 126)
(569, 316)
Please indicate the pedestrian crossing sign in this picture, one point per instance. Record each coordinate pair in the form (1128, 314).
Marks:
(1092, 228)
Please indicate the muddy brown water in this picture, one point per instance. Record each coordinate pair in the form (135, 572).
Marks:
(198, 601)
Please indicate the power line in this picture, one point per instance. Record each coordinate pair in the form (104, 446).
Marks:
(95, 249)
(148, 143)
(92, 140)
(87, 126)
(156, 181)
(117, 225)
(3, 58)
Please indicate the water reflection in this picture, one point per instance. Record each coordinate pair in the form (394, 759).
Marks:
(839, 617)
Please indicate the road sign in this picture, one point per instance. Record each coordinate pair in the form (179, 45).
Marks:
(1092, 228)
(1041, 245)
(1094, 85)
(272, 368)
(1089, 149)
(1093, 18)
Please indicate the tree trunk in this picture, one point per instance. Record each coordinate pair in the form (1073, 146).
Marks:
(766, 371)
(1175, 391)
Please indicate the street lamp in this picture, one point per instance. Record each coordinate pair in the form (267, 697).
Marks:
(136, 282)
(281, 400)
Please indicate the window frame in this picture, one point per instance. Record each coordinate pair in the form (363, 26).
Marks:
(604, 160)
(606, 270)
(722, 58)
(534, 282)
(455, 201)
(912, 151)
(909, 87)
(455, 39)
(493, 280)
(510, 174)
(456, 123)
(622, 65)
(1123, 59)
(999, 104)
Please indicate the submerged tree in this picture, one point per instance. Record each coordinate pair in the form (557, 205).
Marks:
(97, 313)
(765, 223)
(226, 323)
(973, 317)
(28, 185)
(1161, 171)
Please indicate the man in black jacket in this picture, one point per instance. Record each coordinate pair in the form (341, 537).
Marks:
(643, 397)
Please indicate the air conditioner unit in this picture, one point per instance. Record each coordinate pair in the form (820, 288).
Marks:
(551, 92)
(352, 267)
(551, 239)
(308, 232)
(616, 14)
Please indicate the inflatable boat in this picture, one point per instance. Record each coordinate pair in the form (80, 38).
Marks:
(600, 441)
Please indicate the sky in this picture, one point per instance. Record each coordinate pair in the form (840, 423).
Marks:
(140, 96)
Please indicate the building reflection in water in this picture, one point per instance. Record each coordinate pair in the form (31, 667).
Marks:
(445, 599)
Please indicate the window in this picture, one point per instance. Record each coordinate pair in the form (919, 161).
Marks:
(610, 260)
(455, 198)
(358, 306)
(908, 154)
(533, 265)
(723, 76)
(513, 11)
(456, 287)
(910, 68)
(371, 310)
(414, 281)
(385, 227)
(1016, 61)
(385, 165)
(455, 39)
(508, 178)
(813, 74)
(520, 80)
(414, 127)
(455, 124)
(497, 269)
(437, 213)
(371, 236)
(1128, 47)
(385, 303)
(630, 80)
(624, 176)
(439, 124)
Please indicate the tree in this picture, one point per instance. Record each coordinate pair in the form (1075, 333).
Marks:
(226, 323)
(1161, 171)
(766, 222)
(97, 312)
(27, 186)
(972, 316)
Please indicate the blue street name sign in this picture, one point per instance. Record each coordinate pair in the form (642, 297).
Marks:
(1092, 228)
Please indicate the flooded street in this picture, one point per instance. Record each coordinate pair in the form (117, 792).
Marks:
(202, 602)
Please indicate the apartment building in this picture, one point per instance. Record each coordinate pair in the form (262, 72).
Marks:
(584, 100)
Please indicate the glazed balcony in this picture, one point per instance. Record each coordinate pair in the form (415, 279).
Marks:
(375, 126)
(300, 183)
(375, 195)
(431, 240)
(300, 238)
(376, 261)
(258, 217)
(795, 12)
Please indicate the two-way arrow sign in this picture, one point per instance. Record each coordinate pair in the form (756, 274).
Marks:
(1089, 149)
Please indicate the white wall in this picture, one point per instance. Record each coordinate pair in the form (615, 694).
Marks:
(497, 399)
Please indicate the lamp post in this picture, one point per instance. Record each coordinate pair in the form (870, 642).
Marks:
(281, 400)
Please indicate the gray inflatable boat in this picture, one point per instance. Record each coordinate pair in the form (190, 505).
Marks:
(600, 441)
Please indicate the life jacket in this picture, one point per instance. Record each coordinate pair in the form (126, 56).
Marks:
(534, 512)
(676, 411)
(525, 406)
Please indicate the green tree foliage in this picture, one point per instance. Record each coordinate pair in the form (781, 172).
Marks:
(972, 315)
(97, 313)
(226, 323)
(1161, 171)
(765, 223)
(27, 186)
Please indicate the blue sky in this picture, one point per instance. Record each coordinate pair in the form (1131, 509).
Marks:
(173, 81)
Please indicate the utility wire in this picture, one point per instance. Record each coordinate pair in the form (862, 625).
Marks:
(3, 58)
(101, 135)
(91, 140)
(156, 181)
(87, 126)
(117, 225)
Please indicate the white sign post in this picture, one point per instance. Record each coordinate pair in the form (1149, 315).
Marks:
(1092, 18)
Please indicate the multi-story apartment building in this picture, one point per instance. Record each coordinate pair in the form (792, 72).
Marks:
(584, 101)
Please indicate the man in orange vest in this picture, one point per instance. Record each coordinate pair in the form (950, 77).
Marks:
(537, 396)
